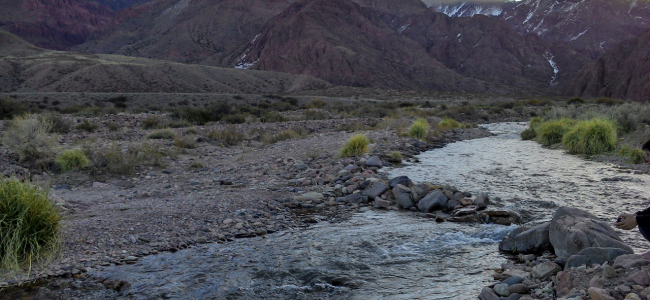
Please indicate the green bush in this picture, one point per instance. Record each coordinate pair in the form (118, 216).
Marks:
(28, 136)
(179, 124)
(595, 136)
(29, 224)
(235, 119)
(637, 156)
(356, 145)
(187, 142)
(419, 129)
(576, 101)
(551, 132)
(151, 122)
(191, 131)
(608, 101)
(227, 137)
(269, 117)
(528, 134)
(395, 157)
(449, 124)
(317, 103)
(87, 126)
(59, 124)
(124, 161)
(70, 160)
(165, 134)
(284, 135)
(112, 126)
(11, 108)
(312, 114)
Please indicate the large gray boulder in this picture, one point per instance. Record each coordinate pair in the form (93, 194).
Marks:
(481, 201)
(375, 190)
(404, 201)
(403, 180)
(594, 255)
(432, 201)
(419, 191)
(508, 244)
(573, 229)
(534, 240)
(374, 162)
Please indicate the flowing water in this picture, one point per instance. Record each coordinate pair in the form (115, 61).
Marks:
(398, 255)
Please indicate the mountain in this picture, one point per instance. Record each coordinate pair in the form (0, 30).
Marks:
(26, 68)
(623, 72)
(117, 5)
(590, 27)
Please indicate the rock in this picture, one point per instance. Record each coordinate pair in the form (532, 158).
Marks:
(534, 240)
(374, 162)
(400, 189)
(630, 261)
(63, 187)
(432, 201)
(501, 217)
(403, 180)
(419, 191)
(513, 280)
(564, 283)
(641, 278)
(609, 272)
(546, 269)
(350, 188)
(353, 198)
(452, 204)
(116, 285)
(466, 202)
(375, 190)
(516, 272)
(313, 196)
(501, 289)
(481, 201)
(508, 244)
(518, 288)
(573, 229)
(488, 294)
(404, 201)
(383, 203)
(599, 294)
(514, 296)
(466, 219)
(597, 281)
(594, 255)
(632, 296)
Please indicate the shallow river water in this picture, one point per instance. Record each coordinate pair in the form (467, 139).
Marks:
(380, 254)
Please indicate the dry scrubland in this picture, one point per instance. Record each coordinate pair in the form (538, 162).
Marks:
(136, 174)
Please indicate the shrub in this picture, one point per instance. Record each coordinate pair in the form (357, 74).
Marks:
(227, 137)
(165, 134)
(112, 126)
(590, 137)
(124, 161)
(284, 135)
(187, 142)
(28, 136)
(196, 165)
(269, 117)
(507, 105)
(317, 103)
(29, 224)
(356, 145)
(70, 160)
(191, 131)
(312, 114)
(59, 124)
(87, 126)
(576, 101)
(118, 102)
(235, 119)
(551, 132)
(11, 108)
(528, 134)
(151, 122)
(179, 124)
(637, 156)
(608, 101)
(395, 157)
(419, 129)
(449, 124)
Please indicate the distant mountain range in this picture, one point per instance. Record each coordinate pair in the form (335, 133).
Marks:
(532, 46)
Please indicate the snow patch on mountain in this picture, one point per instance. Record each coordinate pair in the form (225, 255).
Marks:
(466, 9)
(550, 57)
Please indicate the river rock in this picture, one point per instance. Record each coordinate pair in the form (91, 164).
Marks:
(501, 289)
(452, 204)
(404, 201)
(383, 203)
(546, 269)
(573, 229)
(518, 288)
(488, 294)
(375, 190)
(313, 196)
(534, 240)
(501, 217)
(514, 296)
(599, 294)
(630, 261)
(432, 201)
(403, 180)
(508, 243)
(641, 278)
(374, 162)
(513, 280)
(564, 283)
(352, 198)
(419, 191)
(594, 255)
(481, 201)
(400, 189)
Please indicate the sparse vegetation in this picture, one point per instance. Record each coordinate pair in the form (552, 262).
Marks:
(59, 124)
(269, 117)
(164, 134)
(449, 124)
(87, 126)
(10, 108)
(226, 137)
(151, 122)
(112, 126)
(29, 224)
(419, 129)
(284, 135)
(186, 142)
(29, 137)
(595, 136)
(70, 160)
(636, 155)
(191, 131)
(395, 157)
(116, 160)
(356, 145)
(575, 101)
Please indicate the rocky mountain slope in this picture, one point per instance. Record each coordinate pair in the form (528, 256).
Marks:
(623, 72)
(26, 68)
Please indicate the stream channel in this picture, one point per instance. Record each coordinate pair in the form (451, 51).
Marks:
(380, 254)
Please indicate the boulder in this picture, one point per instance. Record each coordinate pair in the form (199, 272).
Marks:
(400, 189)
(501, 289)
(404, 201)
(630, 261)
(641, 278)
(518, 288)
(573, 229)
(383, 203)
(374, 162)
(515, 296)
(508, 244)
(419, 191)
(546, 269)
(352, 198)
(452, 204)
(594, 255)
(599, 294)
(501, 217)
(488, 294)
(375, 190)
(513, 280)
(403, 180)
(432, 201)
(313, 196)
(481, 201)
(534, 240)
(564, 283)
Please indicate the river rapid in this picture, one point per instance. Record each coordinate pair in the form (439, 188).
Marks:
(380, 254)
